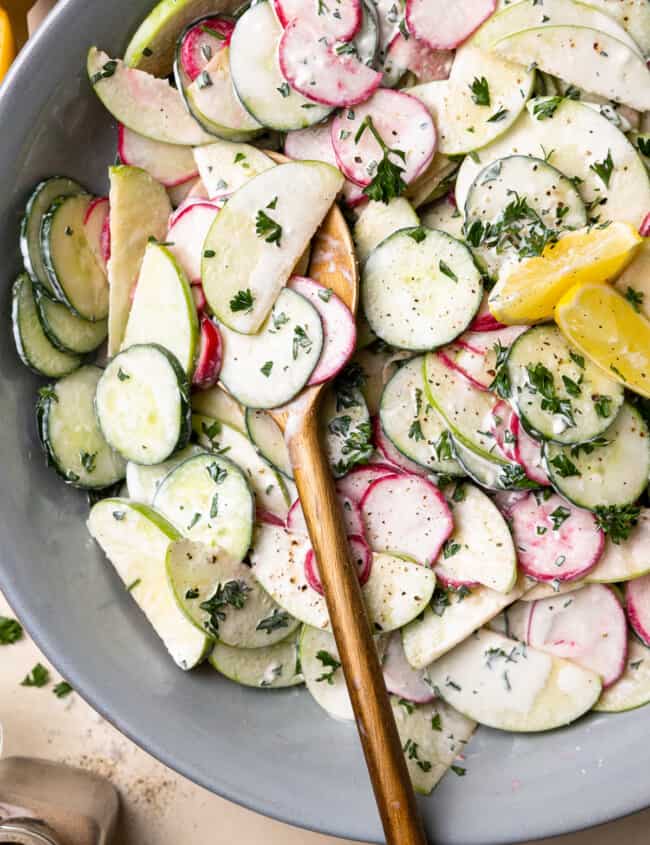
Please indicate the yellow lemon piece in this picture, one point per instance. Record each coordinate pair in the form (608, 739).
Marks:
(528, 291)
(608, 330)
(7, 48)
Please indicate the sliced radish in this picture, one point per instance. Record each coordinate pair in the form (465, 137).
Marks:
(587, 626)
(202, 41)
(169, 164)
(644, 228)
(528, 452)
(187, 236)
(500, 421)
(403, 123)
(354, 485)
(448, 354)
(339, 327)
(412, 54)
(267, 518)
(484, 320)
(637, 605)
(474, 354)
(406, 515)
(362, 558)
(351, 518)
(97, 230)
(208, 365)
(199, 191)
(559, 554)
(392, 454)
(400, 677)
(319, 69)
(342, 21)
(505, 500)
(444, 26)
(199, 297)
(183, 207)
(179, 193)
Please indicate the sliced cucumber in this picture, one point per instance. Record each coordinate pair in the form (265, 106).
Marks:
(243, 271)
(269, 440)
(216, 403)
(219, 595)
(35, 349)
(65, 330)
(420, 289)
(71, 436)
(71, 266)
(163, 310)
(346, 429)
(611, 475)
(377, 220)
(268, 369)
(271, 667)
(38, 204)
(208, 498)
(445, 216)
(452, 617)
(485, 471)
(143, 404)
(559, 395)
(412, 424)
(143, 481)
(509, 686)
(267, 485)
(135, 539)
(258, 80)
(632, 690)
(225, 166)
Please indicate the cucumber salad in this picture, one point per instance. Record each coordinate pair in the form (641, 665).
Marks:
(485, 414)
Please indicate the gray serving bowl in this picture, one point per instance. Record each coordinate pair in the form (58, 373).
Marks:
(273, 751)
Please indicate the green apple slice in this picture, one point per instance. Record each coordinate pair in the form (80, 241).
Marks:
(628, 559)
(269, 440)
(142, 481)
(140, 210)
(144, 103)
(321, 668)
(220, 405)
(225, 166)
(632, 15)
(135, 539)
(507, 685)
(632, 689)
(257, 240)
(270, 667)
(163, 309)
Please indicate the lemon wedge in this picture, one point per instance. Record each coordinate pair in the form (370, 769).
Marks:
(527, 291)
(607, 329)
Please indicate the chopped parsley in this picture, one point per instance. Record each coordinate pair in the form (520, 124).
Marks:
(330, 663)
(635, 298)
(545, 109)
(501, 382)
(412, 753)
(38, 677)
(617, 522)
(268, 228)
(443, 447)
(242, 301)
(217, 473)
(577, 359)
(572, 387)
(266, 369)
(603, 169)
(387, 182)
(278, 619)
(325, 294)
(446, 269)
(513, 477)
(62, 689)
(603, 406)
(301, 340)
(284, 89)
(559, 516)
(480, 91)
(108, 69)
(436, 722)
(459, 770)
(450, 549)
(133, 585)
(88, 461)
(10, 630)
(415, 431)
(540, 380)
(564, 466)
(214, 506)
(192, 593)
(231, 594)
(122, 376)
(418, 234)
(498, 116)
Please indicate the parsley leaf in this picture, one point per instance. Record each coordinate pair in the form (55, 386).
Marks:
(266, 369)
(635, 298)
(330, 663)
(62, 689)
(267, 228)
(617, 522)
(387, 182)
(233, 594)
(242, 301)
(446, 269)
(603, 169)
(480, 91)
(38, 677)
(278, 619)
(603, 406)
(559, 517)
(564, 466)
(10, 630)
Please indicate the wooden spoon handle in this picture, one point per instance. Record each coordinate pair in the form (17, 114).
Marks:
(381, 744)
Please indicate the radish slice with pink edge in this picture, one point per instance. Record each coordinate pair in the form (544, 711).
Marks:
(392, 454)
(644, 228)
(587, 627)
(500, 420)
(637, 605)
(400, 677)
(412, 54)
(474, 354)
(444, 26)
(185, 205)
(406, 515)
(362, 558)
(267, 518)
(506, 500)
(169, 164)
(339, 327)
(208, 363)
(402, 122)
(315, 66)
(546, 553)
(187, 236)
(198, 191)
(528, 453)
(447, 356)
(199, 297)
(342, 20)
(97, 230)
(199, 45)
(351, 518)
(485, 320)
(354, 485)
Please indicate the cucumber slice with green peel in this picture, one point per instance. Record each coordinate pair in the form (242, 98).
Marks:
(139, 210)
(70, 435)
(573, 137)
(397, 591)
(269, 440)
(34, 348)
(38, 204)
(244, 270)
(75, 276)
(135, 539)
(614, 70)
(457, 113)
(445, 216)
(420, 289)
(610, 472)
(226, 166)
(346, 430)
(632, 689)
(377, 220)
(221, 597)
(143, 481)
(65, 330)
(543, 199)
(625, 560)
(507, 685)
(220, 405)
(270, 492)
(271, 667)
(559, 395)
(479, 468)
(412, 425)
(144, 103)
(452, 617)
(163, 310)
(209, 500)
(257, 78)
(268, 369)
(143, 406)
(467, 411)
